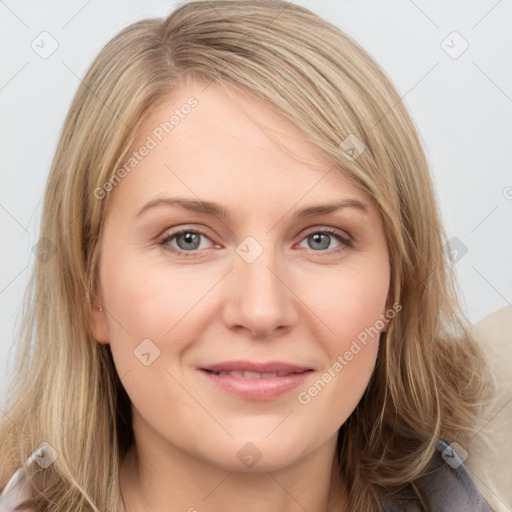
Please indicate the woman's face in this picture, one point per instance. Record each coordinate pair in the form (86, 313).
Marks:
(241, 316)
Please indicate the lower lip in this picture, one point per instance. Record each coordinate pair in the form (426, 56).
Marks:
(263, 388)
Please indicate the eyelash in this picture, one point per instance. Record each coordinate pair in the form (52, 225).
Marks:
(163, 241)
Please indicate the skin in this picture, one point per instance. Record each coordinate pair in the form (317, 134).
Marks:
(299, 301)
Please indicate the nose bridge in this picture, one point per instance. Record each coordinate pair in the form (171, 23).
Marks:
(260, 301)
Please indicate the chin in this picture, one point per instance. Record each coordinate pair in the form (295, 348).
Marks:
(260, 454)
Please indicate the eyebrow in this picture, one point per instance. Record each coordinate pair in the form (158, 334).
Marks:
(210, 208)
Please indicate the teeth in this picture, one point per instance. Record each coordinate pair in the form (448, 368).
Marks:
(253, 375)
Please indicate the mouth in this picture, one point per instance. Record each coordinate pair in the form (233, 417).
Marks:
(256, 381)
(246, 374)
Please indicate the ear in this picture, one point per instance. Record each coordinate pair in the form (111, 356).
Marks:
(98, 323)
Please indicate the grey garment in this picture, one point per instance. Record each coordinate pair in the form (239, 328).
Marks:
(448, 488)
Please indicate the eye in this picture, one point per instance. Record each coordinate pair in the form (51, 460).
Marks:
(188, 242)
(184, 242)
(320, 240)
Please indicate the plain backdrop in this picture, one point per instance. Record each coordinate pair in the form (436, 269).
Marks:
(450, 60)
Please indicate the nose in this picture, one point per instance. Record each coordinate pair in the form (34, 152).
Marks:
(259, 299)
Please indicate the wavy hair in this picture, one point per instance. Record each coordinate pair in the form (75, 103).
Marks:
(430, 381)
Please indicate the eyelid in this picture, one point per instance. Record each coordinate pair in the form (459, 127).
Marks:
(329, 229)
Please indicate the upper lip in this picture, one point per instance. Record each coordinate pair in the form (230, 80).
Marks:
(250, 366)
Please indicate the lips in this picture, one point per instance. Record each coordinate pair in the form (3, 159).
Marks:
(256, 381)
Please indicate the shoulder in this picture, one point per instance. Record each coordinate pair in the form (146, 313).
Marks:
(15, 493)
(450, 487)
(490, 464)
(446, 487)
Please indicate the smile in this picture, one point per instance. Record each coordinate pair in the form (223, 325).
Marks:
(256, 381)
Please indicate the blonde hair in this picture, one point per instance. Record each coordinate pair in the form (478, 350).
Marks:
(430, 381)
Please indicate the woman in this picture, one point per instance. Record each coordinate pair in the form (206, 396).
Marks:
(244, 301)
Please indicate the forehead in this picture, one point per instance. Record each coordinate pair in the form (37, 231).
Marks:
(213, 144)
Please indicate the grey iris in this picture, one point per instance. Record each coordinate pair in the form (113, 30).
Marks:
(323, 244)
(191, 241)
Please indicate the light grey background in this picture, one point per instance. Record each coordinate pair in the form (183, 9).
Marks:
(462, 105)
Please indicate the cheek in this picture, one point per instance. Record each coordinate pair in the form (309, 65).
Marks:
(351, 304)
(351, 307)
(150, 312)
(155, 302)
